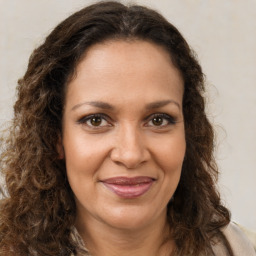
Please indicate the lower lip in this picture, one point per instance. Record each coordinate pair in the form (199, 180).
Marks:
(129, 191)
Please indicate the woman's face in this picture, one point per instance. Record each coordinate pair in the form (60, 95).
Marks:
(123, 134)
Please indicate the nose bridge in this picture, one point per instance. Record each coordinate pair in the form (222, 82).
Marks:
(129, 147)
(129, 138)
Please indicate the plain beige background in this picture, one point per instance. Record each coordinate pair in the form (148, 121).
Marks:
(223, 33)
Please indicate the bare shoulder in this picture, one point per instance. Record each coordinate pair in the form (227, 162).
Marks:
(239, 242)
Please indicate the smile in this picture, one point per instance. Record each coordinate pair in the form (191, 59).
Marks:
(129, 187)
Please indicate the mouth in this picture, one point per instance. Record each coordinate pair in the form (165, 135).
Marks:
(126, 187)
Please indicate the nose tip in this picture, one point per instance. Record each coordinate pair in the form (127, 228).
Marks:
(130, 160)
(130, 151)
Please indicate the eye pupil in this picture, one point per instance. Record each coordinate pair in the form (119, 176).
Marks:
(96, 121)
(157, 121)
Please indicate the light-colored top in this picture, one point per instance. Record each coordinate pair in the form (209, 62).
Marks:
(240, 244)
(250, 234)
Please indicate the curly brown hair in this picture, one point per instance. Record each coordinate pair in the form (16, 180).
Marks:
(38, 212)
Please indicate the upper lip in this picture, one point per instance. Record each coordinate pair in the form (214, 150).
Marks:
(128, 180)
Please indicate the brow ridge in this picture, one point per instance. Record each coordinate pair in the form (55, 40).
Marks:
(105, 105)
(162, 103)
(97, 104)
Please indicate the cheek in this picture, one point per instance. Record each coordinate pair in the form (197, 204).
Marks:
(170, 155)
(171, 151)
(83, 154)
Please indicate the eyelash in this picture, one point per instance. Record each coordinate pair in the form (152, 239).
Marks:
(170, 120)
(85, 119)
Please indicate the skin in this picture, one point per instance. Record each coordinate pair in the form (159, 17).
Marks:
(129, 77)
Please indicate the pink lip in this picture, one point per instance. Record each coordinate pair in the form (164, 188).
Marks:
(129, 187)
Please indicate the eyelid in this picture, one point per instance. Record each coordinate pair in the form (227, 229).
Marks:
(171, 120)
(84, 119)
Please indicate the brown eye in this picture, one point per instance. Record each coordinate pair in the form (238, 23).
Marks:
(157, 121)
(160, 120)
(96, 121)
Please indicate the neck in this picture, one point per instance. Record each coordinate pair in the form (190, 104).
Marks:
(103, 240)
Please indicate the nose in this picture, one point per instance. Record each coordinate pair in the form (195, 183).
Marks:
(130, 148)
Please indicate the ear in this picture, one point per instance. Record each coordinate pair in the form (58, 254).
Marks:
(60, 148)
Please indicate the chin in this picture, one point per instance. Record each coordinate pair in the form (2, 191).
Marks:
(130, 218)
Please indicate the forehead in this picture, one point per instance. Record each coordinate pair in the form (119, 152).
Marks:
(126, 51)
(124, 68)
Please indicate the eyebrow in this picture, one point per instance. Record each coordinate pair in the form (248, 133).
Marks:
(97, 104)
(104, 105)
(162, 103)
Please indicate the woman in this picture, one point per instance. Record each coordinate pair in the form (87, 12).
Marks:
(110, 151)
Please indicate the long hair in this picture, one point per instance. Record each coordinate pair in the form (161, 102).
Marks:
(38, 213)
